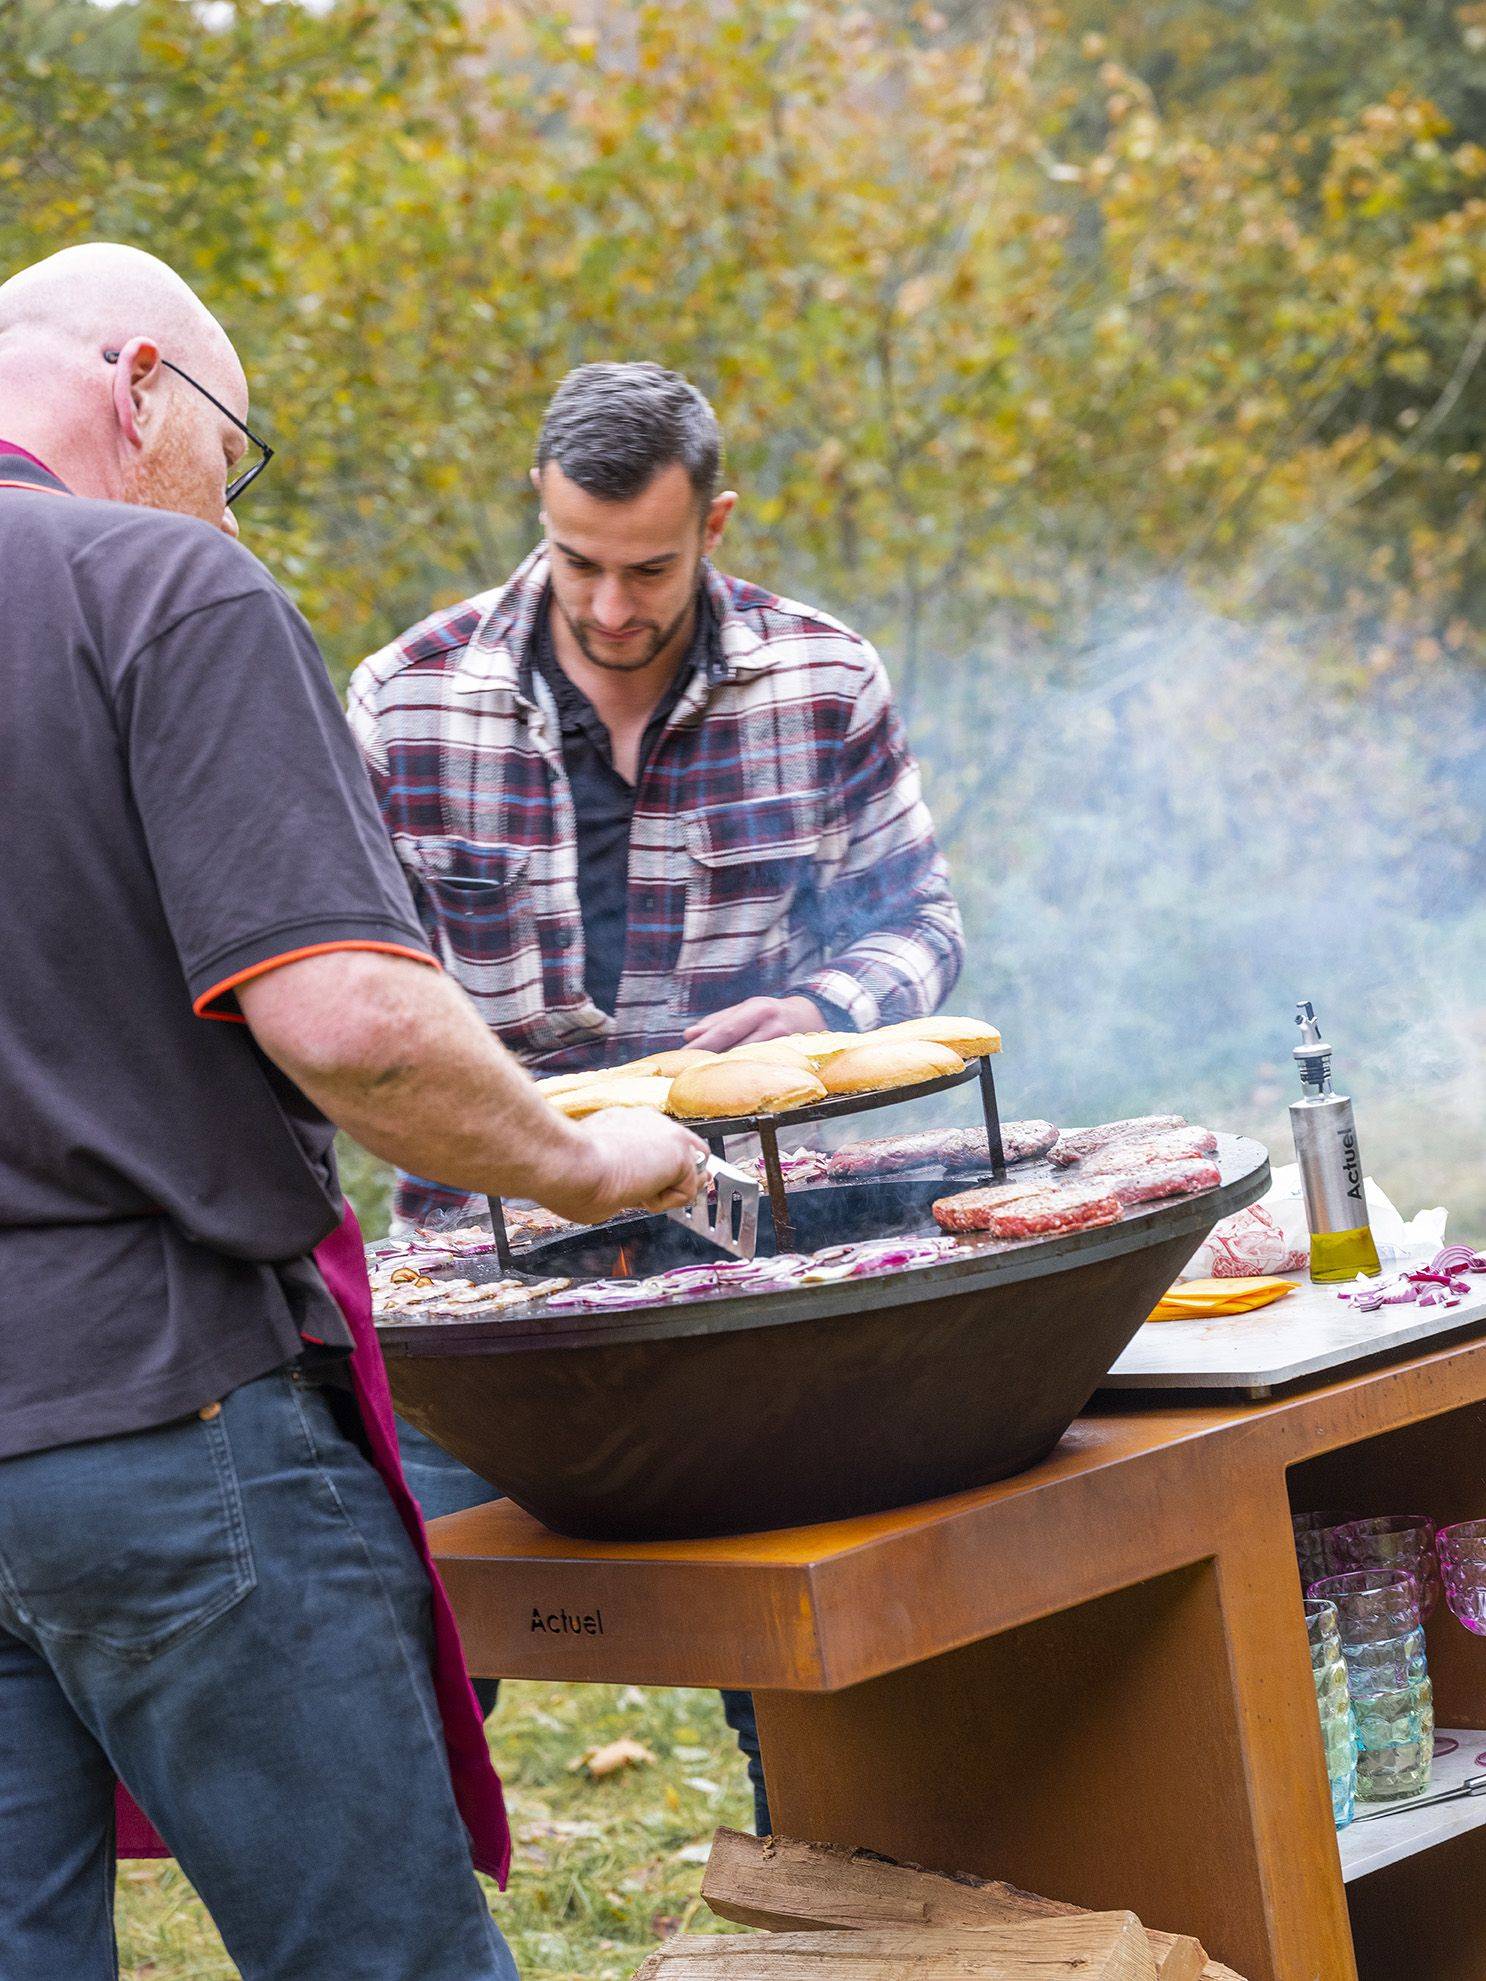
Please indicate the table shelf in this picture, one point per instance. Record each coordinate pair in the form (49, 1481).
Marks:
(1375, 1844)
(1090, 1679)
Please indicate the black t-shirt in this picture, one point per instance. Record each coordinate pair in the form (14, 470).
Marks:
(181, 803)
(603, 799)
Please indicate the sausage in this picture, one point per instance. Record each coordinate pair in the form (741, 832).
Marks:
(948, 1148)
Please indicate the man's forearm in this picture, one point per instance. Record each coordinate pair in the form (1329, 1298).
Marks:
(395, 1055)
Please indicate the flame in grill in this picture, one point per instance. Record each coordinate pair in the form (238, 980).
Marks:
(623, 1266)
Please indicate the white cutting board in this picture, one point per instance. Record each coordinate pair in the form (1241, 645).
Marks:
(1308, 1333)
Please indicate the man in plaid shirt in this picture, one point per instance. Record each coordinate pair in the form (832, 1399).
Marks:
(641, 803)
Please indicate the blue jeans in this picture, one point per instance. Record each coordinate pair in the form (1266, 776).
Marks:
(440, 1484)
(226, 1610)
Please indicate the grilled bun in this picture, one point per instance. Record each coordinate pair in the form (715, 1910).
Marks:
(567, 1083)
(819, 1047)
(883, 1062)
(616, 1090)
(772, 1052)
(668, 1064)
(741, 1086)
(971, 1038)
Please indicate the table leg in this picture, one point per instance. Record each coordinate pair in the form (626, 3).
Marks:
(1151, 1750)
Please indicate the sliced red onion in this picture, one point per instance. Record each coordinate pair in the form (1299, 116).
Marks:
(1436, 1285)
(1458, 1259)
(697, 1282)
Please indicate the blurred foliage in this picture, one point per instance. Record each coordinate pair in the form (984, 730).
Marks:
(1118, 369)
(986, 313)
(367, 1182)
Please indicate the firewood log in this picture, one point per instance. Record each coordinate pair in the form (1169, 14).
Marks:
(1086, 1946)
(787, 1886)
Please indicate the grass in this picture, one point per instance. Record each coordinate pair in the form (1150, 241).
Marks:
(603, 1870)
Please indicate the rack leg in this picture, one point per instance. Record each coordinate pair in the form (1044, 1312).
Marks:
(784, 1231)
(992, 1115)
(502, 1238)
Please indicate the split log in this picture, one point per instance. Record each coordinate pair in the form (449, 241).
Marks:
(786, 1886)
(1088, 1946)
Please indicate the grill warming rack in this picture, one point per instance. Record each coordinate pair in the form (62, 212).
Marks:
(715, 1132)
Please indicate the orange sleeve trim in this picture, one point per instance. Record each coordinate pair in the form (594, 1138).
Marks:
(209, 997)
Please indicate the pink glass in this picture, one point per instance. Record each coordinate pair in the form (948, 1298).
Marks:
(1371, 1603)
(1313, 1549)
(1462, 1558)
(1392, 1541)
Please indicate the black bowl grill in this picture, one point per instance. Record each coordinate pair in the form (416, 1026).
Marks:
(800, 1404)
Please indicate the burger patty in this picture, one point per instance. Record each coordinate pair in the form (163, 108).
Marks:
(1035, 1211)
(1173, 1179)
(1177, 1145)
(1080, 1142)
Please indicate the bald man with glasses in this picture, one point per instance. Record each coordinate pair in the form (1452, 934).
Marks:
(211, 1574)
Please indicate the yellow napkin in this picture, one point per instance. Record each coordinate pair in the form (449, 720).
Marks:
(1195, 1299)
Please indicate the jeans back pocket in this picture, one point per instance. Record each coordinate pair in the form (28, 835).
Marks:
(127, 1543)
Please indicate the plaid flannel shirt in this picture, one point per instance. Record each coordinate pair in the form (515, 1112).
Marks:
(780, 843)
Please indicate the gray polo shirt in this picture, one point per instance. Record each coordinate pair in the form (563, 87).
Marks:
(181, 806)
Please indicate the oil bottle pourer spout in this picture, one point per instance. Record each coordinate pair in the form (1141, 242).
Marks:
(1312, 1055)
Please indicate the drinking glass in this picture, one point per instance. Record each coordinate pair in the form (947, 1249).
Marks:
(1382, 1639)
(1334, 1700)
(1313, 1548)
(1392, 1540)
(1462, 1558)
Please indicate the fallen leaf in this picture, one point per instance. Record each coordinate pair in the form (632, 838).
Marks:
(601, 1761)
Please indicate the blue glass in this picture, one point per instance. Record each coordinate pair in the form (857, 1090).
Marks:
(1334, 1702)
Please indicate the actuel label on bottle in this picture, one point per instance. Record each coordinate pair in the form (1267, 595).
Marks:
(1330, 1163)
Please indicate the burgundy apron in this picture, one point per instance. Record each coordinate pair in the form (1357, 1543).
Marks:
(477, 1790)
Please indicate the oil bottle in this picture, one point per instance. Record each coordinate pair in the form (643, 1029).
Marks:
(1330, 1165)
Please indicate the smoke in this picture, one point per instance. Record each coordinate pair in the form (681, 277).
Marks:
(1160, 845)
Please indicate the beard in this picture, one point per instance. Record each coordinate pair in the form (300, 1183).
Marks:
(660, 638)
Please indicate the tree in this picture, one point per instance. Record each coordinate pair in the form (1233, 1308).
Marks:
(1055, 345)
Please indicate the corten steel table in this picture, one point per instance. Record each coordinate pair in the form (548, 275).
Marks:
(1091, 1679)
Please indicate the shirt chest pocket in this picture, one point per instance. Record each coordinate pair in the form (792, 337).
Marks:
(748, 865)
(477, 905)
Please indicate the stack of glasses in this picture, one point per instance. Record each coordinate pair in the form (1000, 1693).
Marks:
(1380, 1625)
(1333, 1696)
(1313, 1545)
(1390, 1540)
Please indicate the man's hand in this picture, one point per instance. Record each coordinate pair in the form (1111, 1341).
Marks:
(754, 1019)
(641, 1161)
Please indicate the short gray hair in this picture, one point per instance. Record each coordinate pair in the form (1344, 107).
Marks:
(612, 428)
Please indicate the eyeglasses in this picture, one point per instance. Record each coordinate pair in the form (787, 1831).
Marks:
(265, 452)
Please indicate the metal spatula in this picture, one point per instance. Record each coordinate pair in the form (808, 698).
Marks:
(726, 1211)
